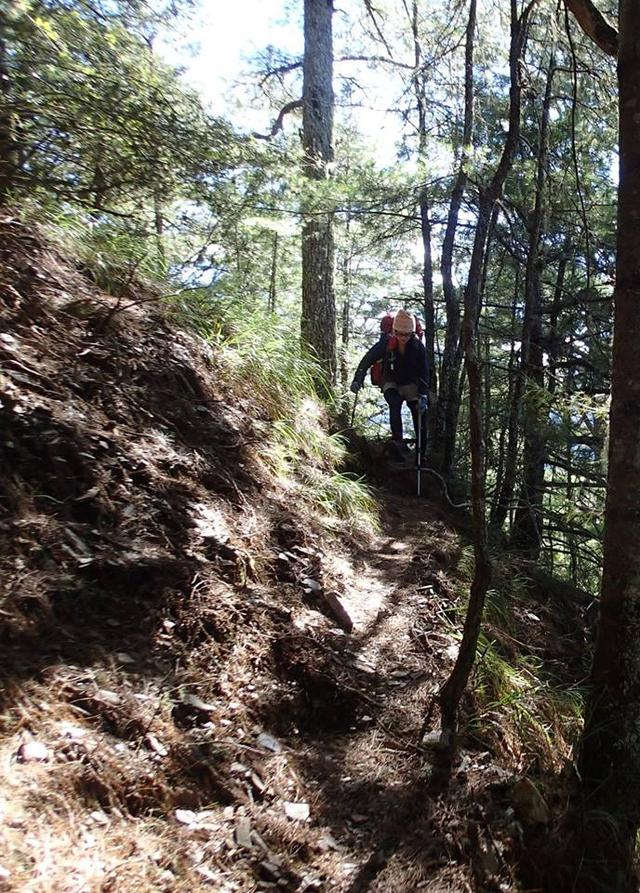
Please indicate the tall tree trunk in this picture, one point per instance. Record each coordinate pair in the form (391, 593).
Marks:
(500, 507)
(571, 540)
(487, 344)
(610, 753)
(487, 406)
(447, 407)
(453, 688)
(318, 321)
(425, 221)
(346, 309)
(505, 484)
(429, 308)
(527, 531)
(502, 503)
(451, 692)
(554, 316)
(454, 400)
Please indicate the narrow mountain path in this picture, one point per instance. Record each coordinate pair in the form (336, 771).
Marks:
(368, 782)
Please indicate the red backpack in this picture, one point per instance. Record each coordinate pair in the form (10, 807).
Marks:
(386, 330)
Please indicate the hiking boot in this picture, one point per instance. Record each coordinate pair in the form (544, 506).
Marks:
(399, 452)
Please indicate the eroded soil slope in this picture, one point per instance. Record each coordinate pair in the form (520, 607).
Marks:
(181, 708)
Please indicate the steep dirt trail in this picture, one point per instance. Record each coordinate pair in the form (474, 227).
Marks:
(367, 782)
(158, 634)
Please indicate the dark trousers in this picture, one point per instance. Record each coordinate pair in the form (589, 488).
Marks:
(395, 401)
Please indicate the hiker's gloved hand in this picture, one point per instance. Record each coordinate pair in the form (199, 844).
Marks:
(423, 403)
(356, 384)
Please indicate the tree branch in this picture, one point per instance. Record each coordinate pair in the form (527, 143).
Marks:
(372, 15)
(277, 125)
(594, 25)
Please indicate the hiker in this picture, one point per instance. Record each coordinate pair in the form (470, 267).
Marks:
(402, 360)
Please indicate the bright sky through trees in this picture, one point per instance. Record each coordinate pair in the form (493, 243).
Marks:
(220, 40)
(222, 37)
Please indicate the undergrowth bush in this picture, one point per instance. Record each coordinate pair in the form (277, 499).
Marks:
(264, 353)
(115, 253)
(517, 704)
(532, 716)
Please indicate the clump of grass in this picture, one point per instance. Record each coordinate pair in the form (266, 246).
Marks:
(538, 719)
(518, 707)
(297, 445)
(343, 497)
(115, 253)
(264, 353)
(306, 458)
(465, 566)
(497, 609)
(195, 309)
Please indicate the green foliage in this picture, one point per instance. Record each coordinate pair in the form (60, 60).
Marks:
(348, 497)
(264, 353)
(113, 253)
(517, 704)
(96, 116)
(300, 451)
(531, 715)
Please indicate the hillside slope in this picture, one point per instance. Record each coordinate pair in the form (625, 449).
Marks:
(209, 680)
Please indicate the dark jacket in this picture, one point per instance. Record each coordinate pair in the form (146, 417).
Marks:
(407, 368)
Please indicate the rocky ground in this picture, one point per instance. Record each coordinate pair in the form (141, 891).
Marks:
(203, 685)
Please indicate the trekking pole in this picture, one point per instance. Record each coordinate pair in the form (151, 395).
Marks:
(353, 411)
(419, 448)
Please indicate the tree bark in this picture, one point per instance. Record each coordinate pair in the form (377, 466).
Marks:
(346, 310)
(429, 308)
(318, 321)
(487, 405)
(500, 507)
(554, 317)
(451, 692)
(447, 410)
(610, 744)
(425, 221)
(594, 25)
(528, 521)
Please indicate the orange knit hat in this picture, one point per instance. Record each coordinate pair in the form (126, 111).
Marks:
(404, 322)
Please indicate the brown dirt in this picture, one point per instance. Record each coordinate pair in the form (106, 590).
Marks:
(154, 625)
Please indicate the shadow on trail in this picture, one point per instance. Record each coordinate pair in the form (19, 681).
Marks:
(384, 799)
(400, 827)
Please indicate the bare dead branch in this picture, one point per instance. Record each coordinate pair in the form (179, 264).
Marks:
(277, 125)
(372, 15)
